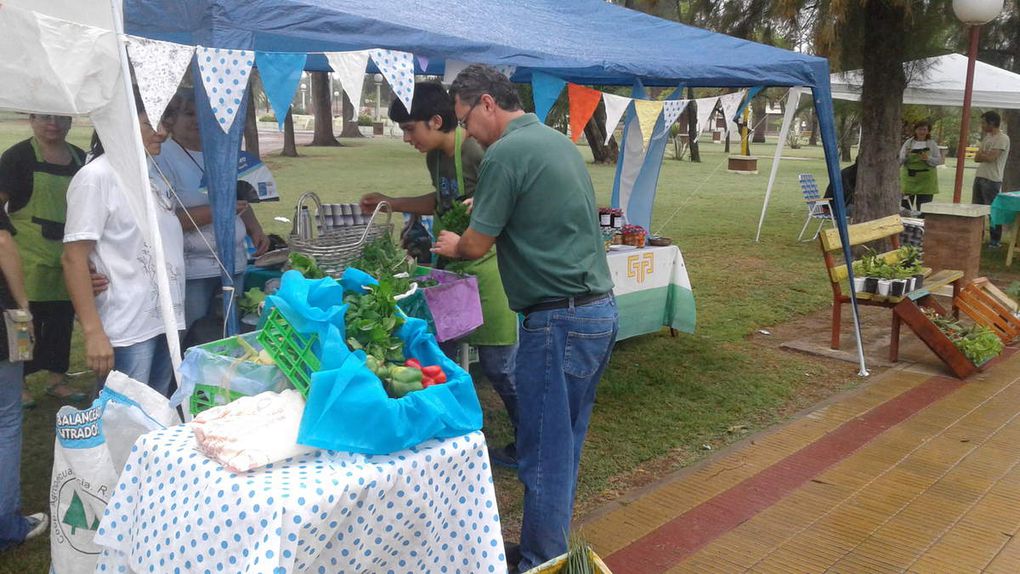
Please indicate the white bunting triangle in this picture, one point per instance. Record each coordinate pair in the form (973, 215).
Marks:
(615, 107)
(225, 77)
(398, 68)
(671, 110)
(730, 103)
(705, 108)
(349, 68)
(159, 67)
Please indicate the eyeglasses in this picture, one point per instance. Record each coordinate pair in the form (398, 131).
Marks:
(51, 119)
(463, 122)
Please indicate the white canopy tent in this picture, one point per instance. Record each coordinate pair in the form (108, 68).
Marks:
(937, 81)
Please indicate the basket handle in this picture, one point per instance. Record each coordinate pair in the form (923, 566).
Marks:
(389, 216)
(299, 228)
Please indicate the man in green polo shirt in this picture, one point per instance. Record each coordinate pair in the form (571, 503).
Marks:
(534, 200)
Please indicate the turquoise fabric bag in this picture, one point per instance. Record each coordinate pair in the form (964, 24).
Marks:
(347, 407)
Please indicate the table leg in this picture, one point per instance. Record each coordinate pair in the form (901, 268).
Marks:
(1012, 239)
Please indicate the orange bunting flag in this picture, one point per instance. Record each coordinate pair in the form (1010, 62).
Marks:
(583, 102)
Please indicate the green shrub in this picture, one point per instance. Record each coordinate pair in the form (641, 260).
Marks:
(365, 121)
(268, 118)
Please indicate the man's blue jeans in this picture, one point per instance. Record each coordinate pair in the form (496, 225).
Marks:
(12, 524)
(561, 356)
(147, 362)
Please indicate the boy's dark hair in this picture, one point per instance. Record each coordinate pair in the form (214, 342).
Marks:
(992, 118)
(478, 79)
(430, 99)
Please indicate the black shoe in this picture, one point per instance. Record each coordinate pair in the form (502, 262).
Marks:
(513, 557)
(505, 457)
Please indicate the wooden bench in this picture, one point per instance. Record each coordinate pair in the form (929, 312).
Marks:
(860, 233)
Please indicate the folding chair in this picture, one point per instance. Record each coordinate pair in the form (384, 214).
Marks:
(818, 207)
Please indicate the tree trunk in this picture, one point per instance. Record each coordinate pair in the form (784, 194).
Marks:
(251, 128)
(758, 115)
(322, 108)
(878, 175)
(692, 127)
(595, 133)
(1011, 175)
(289, 145)
(350, 119)
(813, 139)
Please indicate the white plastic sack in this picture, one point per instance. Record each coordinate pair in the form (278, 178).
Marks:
(90, 450)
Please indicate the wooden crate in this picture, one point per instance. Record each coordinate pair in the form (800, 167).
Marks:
(987, 305)
(909, 311)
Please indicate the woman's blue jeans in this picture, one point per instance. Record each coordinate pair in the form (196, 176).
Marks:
(561, 356)
(12, 524)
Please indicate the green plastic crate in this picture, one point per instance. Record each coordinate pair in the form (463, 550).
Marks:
(291, 350)
(205, 397)
(206, 361)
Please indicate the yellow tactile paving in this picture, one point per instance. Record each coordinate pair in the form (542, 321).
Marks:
(937, 493)
(613, 531)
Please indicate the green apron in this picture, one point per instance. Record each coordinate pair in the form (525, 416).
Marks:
(46, 211)
(500, 323)
(917, 177)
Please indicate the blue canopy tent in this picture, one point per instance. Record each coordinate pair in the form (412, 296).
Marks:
(582, 41)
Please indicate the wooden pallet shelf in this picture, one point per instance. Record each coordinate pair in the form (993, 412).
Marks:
(909, 311)
(979, 301)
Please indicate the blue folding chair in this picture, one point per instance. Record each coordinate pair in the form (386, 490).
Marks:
(818, 207)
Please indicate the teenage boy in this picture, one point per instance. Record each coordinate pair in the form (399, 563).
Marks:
(452, 159)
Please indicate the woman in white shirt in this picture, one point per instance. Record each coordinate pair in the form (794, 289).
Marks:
(919, 156)
(183, 163)
(123, 326)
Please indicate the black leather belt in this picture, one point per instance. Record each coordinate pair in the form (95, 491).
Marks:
(564, 303)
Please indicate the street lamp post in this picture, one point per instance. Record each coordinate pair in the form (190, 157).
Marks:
(973, 13)
(378, 96)
(336, 99)
(304, 104)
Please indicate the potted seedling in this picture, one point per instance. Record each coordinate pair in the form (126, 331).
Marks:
(869, 267)
(900, 281)
(910, 258)
(884, 272)
(859, 276)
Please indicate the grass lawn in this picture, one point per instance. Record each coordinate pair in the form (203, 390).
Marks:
(662, 398)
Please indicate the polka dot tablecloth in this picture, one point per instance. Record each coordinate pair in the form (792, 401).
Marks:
(427, 509)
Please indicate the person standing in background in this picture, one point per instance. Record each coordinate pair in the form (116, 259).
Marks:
(919, 156)
(34, 176)
(991, 155)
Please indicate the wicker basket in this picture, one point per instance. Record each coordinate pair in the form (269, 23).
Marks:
(336, 248)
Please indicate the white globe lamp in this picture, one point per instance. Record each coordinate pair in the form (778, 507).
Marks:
(977, 12)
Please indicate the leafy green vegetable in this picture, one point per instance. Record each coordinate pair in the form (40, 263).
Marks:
(977, 342)
(250, 301)
(305, 265)
(456, 219)
(384, 258)
(371, 320)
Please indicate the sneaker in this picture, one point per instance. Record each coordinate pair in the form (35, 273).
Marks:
(505, 457)
(37, 524)
(994, 245)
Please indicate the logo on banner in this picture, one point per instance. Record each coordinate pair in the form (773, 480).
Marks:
(640, 266)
